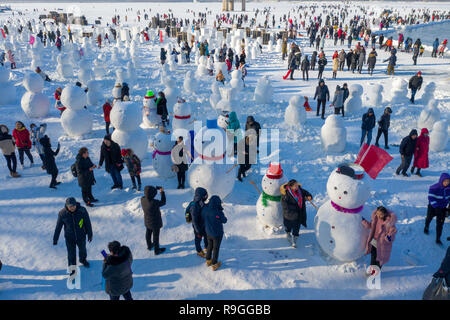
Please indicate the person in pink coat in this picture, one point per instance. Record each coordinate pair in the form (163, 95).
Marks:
(11, 59)
(421, 152)
(381, 236)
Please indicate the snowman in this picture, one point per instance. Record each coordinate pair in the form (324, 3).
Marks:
(190, 84)
(64, 68)
(75, 120)
(236, 81)
(126, 117)
(7, 89)
(210, 169)
(439, 136)
(85, 74)
(338, 223)
(295, 114)
(399, 91)
(34, 103)
(172, 93)
(333, 134)
(215, 95)
(227, 93)
(428, 92)
(162, 160)
(374, 96)
(149, 116)
(354, 102)
(181, 116)
(99, 70)
(429, 115)
(268, 206)
(263, 91)
(94, 94)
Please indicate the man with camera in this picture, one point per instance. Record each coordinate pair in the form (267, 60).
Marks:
(152, 216)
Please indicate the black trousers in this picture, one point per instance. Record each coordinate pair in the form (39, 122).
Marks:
(198, 241)
(181, 176)
(307, 74)
(27, 152)
(126, 296)
(134, 178)
(292, 73)
(243, 168)
(373, 257)
(53, 181)
(72, 250)
(439, 213)
(11, 162)
(148, 238)
(319, 102)
(341, 65)
(107, 127)
(319, 76)
(292, 226)
(385, 134)
(406, 161)
(86, 194)
(213, 248)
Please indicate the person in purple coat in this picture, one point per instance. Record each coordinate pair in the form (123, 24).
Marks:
(438, 205)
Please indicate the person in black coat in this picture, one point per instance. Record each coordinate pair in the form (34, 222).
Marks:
(125, 91)
(415, 83)
(161, 108)
(251, 124)
(49, 160)
(346, 91)
(444, 269)
(110, 154)
(407, 148)
(313, 60)
(198, 224)
(181, 160)
(293, 203)
(85, 174)
(349, 57)
(305, 68)
(383, 127)
(117, 271)
(214, 219)
(323, 95)
(77, 225)
(152, 217)
(163, 55)
(367, 125)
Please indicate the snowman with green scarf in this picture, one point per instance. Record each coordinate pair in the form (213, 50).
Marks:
(268, 206)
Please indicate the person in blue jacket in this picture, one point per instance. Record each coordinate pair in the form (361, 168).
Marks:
(438, 205)
(368, 123)
(214, 219)
(435, 48)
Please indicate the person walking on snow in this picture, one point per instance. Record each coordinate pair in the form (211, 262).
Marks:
(368, 123)
(194, 209)
(323, 95)
(338, 101)
(85, 175)
(77, 226)
(106, 114)
(392, 62)
(49, 160)
(383, 127)
(305, 68)
(23, 142)
(415, 83)
(9, 150)
(110, 154)
(438, 205)
(421, 152)
(152, 217)
(133, 164)
(36, 134)
(407, 148)
(293, 204)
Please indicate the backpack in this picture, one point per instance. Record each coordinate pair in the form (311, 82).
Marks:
(187, 213)
(73, 168)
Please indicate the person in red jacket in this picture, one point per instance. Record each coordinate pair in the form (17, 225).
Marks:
(421, 152)
(58, 103)
(106, 112)
(23, 142)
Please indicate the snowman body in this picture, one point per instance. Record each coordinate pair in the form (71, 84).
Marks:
(439, 136)
(75, 120)
(236, 81)
(209, 169)
(295, 114)
(182, 116)
(399, 91)
(149, 117)
(85, 74)
(354, 102)
(374, 95)
(94, 94)
(162, 160)
(333, 134)
(263, 91)
(269, 212)
(338, 223)
(34, 103)
(172, 93)
(429, 116)
(7, 89)
(428, 92)
(190, 84)
(64, 68)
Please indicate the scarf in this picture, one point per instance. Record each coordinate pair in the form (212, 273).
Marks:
(160, 153)
(296, 195)
(345, 210)
(266, 197)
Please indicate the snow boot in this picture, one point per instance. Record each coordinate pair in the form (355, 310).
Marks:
(14, 174)
(439, 242)
(289, 237)
(216, 266)
(294, 241)
(134, 186)
(208, 262)
(201, 254)
(159, 250)
(426, 230)
(85, 263)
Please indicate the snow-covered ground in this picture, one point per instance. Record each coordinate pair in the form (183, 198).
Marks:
(256, 265)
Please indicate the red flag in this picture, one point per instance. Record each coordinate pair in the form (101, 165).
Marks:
(3, 34)
(287, 74)
(372, 159)
(160, 36)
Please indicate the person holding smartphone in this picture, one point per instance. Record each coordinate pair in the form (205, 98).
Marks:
(117, 271)
(152, 216)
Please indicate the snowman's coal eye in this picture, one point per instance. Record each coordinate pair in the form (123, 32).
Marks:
(345, 192)
(335, 188)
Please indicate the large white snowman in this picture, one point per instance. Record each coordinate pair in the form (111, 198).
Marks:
(429, 116)
(333, 134)
(268, 207)
(182, 116)
(126, 116)
(338, 223)
(439, 136)
(295, 114)
(172, 93)
(374, 96)
(149, 116)
(236, 81)
(190, 84)
(162, 160)
(428, 92)
(399, 91)
(7, 89)
(354, 102)
(64, 67)
(75, 120)
(263, 91)
(210, 169)
(34, 103)
(215, 94)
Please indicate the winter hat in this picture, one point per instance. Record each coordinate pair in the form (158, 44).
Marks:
(419, 73)
(118, 85)
(346, 170)
(124, 152)
(149, 95)
(107, 137)
(71, 202)
(275, 171)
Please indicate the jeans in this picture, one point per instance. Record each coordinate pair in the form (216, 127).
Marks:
(292, 226)
(213, 248)
(27, 152)
(198, 241)
(385, 134)
(126, 296)
(319, 102)
(11, 159)
(406, 161)
(439, 213)
(148, 238)
(363, 136)
(86, 194)
(116, 176)
(72, 245)
(413, 94)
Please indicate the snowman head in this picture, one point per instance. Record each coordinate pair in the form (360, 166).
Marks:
(149, 99)
(181, 108)
(223, 120)
(126, 115)
(348, 186)
(33, 82)
(356, 90)
(273, 180)
(296, 101)
(73, 97)
(163, 142)
(440, 126)
(333, 121)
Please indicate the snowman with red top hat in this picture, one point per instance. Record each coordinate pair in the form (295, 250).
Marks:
(268, 207)
(338, 222)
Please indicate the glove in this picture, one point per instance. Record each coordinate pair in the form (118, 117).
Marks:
(90, 239)
(55, 243)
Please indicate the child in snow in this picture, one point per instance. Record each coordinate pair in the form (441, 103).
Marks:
(133, 164)
(438, 202)
(11, 59)
(220, 77)
(106, 112)
(306, 104)
(58, 103)
(338, 101)
(228, 62)
(421, 152)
